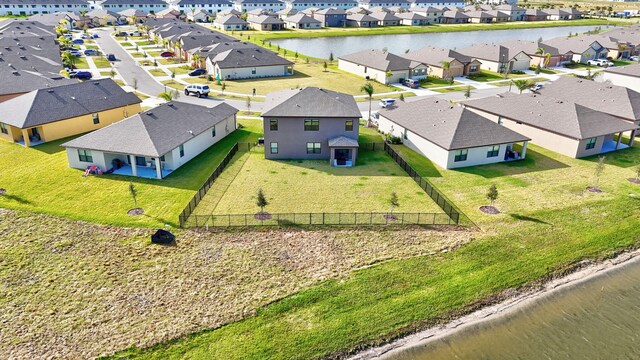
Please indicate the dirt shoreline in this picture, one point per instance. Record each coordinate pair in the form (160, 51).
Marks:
(495, 311)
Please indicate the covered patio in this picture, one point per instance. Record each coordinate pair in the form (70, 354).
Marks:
(344, 151)
(131, 165)
(615, 142)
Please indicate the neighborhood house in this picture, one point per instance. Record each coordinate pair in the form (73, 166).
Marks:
(311, 123)
(155, 142)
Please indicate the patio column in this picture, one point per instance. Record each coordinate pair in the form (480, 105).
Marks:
(619, 140)
(158, 168)
(633, 135)
(524, 150)
(134, 167)
(25, 137)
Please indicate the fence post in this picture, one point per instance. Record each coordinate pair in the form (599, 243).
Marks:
(229, 217)
(323, 218)
(418, 218)
(402, 218)
(309, 218)
(245, 219)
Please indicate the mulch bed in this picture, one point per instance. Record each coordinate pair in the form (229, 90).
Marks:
(3, 191)
(263, 216)
(135, 212)
(390, 217)
(631, 180)
(491, 210)
(593, 189)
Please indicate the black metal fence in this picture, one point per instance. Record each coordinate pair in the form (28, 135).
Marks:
(191, 206)
(371, 146)
(457, 217)
(301, 219)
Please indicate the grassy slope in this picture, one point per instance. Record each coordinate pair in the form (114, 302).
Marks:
(41, 181)
(548, 223)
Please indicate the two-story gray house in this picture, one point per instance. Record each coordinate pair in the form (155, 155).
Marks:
(311, 123)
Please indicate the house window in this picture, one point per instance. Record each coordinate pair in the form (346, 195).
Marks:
(591, 143)
(96, 118)
(253, 71)
(85, 155)
(313, 148)
(273, 125)
(274, 147)
(348, 125)
(311, 125)
(404, 134)
(493, 151)
(213, 131)
(181, 147)
(461, 155)
(3, 128)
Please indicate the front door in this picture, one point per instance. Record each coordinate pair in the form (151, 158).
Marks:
(141, 161)
(342, 155)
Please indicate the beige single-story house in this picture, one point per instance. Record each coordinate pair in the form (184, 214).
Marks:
(435, 58)
(558, 125)
(382, 66)
(627, 76)
(496, 58)
(450, 135)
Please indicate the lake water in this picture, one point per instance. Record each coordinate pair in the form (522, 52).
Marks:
(596, 319)
(399, 43)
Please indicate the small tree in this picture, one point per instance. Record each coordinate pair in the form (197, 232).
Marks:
(599, 170)
(387, 76)
(324, 66)
(248, 104)
(175, 94)
(296, 56)
(638, 172)
(165, 96)
(492, 194)
(261, 200)
(173, 73)
(393, 201)
(134, 83)
(521, 85)
(306, 60)
(331, 57)
(401, 97)
(224, 87)
(133, 192)
(112, 73)
(467, 92)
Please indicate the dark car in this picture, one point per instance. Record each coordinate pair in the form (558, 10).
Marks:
(166, 54)
(83, 75)
(122, 33)
(198, 72)
(78, 41)
(90, 52)
(111, 57)
(95, 36)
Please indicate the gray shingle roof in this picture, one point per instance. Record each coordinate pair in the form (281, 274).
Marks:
(134, 2)
(63, 102)
(529, 47)
(629, 70)
(434, 56)
(410, 16)
(449, 126)
(133, 12)
(229, 20)
(380, 60)
(301, 18)
(343, 141)
(454, 14)
(384, 16)
(154, 132)
(615, 100)
(310, 102)
(561, 117)
(24, 28)
(575, 44)
(491, 52)
(361, 17)
(331, 11)
(45, 2)
(249, 57)
(264, 19)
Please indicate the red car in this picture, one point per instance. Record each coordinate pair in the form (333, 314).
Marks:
(167, 54)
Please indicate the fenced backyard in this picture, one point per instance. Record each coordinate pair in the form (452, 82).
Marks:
(311, 193)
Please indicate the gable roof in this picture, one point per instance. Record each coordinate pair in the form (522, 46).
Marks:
(380, 60)
(154, 132)
(133, 12)
(449, 126)
(561, 117)
(529, 47)
(361, 17)
(491, 52)
(331, 11)
(301, 18)
(574, 44)
(410, 16)
(248, 57)
(229, 20)
(384, 16)
(434, 56)
(264, 19)
(454, 14)
(44, 106)
(136, 2)
(310, 102)
(611, 99)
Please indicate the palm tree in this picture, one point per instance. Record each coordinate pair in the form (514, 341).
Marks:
(521, 85)
(446, 65)
(368, 88)
(196, 60)
(547, 59)
(179, 47)
(165, 96)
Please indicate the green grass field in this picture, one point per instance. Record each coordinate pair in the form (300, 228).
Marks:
(101, 62)
(549, 223)
(158, 72)
(41, 181)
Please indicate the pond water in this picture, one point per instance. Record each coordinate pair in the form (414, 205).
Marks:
(595, 319)
(399, 43)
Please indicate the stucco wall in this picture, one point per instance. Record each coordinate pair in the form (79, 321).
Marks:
(292, 139)
(82, 124)
(630, 82)
(245, 73)
(74, 160)
(374, 74)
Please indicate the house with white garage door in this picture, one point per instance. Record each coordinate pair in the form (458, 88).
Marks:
(155, 142)
(450, 135)
(382, 66)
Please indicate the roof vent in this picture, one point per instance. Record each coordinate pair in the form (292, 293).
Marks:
(190, 132)
(73, 98)
(49, 91)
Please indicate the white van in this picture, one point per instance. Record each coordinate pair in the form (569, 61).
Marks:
(387, 102)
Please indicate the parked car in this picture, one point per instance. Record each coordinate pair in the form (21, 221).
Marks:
(90, 52)
(121, 33)
(83, 75)
(68, 36)
(600, 62)
(413, 84)
(198, 72)
(85, 36)
(536, 87)
(196, 89)
(75, 53)
(78, 41)
(387, 102)
(95, 36)
(635, 58)
(111, 57)
(166, 54)
(135, 33)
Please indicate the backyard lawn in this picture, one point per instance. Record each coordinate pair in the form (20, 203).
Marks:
(305, 75)
(548, 225)
(41, 181)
